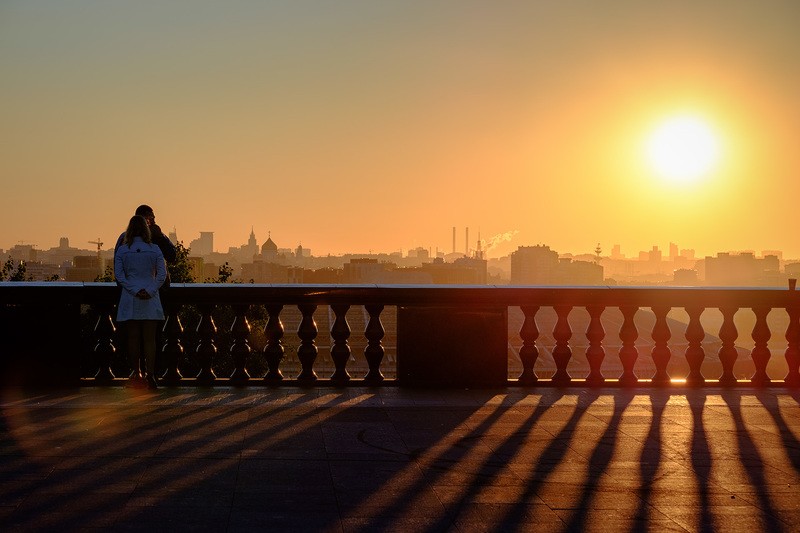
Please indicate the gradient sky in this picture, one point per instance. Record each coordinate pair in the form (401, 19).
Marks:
(369, 125)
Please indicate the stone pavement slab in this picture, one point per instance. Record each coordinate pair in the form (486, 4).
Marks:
(388, 459)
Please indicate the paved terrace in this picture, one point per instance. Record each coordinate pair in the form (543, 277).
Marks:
(390, 459)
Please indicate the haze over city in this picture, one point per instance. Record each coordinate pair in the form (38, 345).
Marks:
(356, 126)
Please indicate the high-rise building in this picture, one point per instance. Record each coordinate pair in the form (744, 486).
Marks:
(204, 245)
(533, 265)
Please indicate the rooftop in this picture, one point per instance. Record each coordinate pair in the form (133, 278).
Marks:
(393, 459)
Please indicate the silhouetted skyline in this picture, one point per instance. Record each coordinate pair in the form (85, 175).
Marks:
(381, 125)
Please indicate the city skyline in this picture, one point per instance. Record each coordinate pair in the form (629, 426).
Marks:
(381, 125)
(615, 251)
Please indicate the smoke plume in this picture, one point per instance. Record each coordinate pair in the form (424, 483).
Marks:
(500, 238)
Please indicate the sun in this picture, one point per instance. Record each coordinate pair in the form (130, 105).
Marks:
(683, 149)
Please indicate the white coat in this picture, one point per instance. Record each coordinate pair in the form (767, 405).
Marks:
(139, 266)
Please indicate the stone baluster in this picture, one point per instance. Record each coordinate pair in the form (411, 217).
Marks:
(374, 352)
(529, 353)
(793, 347)
(240, 348)
(761, 354)
(562, 352)
(172, 349)
(727, 353)
(595, 353)
(340, 351)
(104, 348)
(694, 351)
(628, 353)
(661, 353)
(273, 351)
(206, 349)
(307, 351)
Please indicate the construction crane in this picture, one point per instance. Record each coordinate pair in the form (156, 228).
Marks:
(99, 244)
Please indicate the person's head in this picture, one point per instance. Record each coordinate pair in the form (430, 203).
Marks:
(137, 227)
(147, 212)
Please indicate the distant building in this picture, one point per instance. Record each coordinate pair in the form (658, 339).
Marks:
(86, 268)
(534, 265)
(323, 275)
(23, 252)
(742, 269)
(579, 273)
(652, 256)
(539, 265)
(420, 253)
(269, 251)
(203, 245)
(197, 266)
(38, 271)
(246, 252)
(263, 272)
(251, 248)
(462, 271)
(63, 254)
(685, 276)
(366, 271)
(776, 253)
(673, 251)
(792, 270)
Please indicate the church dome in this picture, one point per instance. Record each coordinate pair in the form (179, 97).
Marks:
(269, 247)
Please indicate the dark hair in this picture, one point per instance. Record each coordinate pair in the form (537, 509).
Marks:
(143, 210)
(137, 227)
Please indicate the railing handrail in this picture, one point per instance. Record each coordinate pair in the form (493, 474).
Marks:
(442, 295)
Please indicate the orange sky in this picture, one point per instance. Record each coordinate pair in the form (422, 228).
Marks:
(367, 125)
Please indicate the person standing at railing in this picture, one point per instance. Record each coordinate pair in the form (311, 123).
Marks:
(157, 236)
(141, 271)
(164, 244)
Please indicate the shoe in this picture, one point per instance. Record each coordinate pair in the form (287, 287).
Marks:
(152, 383)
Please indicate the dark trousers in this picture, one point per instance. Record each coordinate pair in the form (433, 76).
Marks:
(142, 345)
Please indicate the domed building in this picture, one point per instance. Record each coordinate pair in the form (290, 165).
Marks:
(269, 250)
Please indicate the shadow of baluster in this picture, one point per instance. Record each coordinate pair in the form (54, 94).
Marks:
(701, 461)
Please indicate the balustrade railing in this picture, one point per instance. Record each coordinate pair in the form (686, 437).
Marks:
(50, 302)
